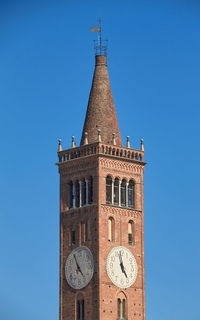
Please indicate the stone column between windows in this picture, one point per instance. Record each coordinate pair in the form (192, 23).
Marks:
(86, 182)
(80, 193)
(73, 195)
(126, 194)
(112, 198)
(120, 193)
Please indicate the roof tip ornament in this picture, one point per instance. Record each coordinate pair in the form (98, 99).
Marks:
(128, 142)
(85, 138)
(113, 139)
(142, 145)
(59, 145)
(99, 135)
(73, 142)
(100, 45)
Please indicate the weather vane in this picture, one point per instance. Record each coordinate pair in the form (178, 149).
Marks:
(99, 45)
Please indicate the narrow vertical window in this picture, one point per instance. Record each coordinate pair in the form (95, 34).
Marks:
(83, 192)
(87, 230)
(116, 191)
(90, 190)
(130, 232)
(82, 232)
(108, 189)
(80, 312)
(70, 195)
(123, 309)
(123, 193)
(77, 194)
(111, 229)
(131, 194)
(119, 308)
(73, 235)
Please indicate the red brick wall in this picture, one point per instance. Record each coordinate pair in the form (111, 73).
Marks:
(101, 295)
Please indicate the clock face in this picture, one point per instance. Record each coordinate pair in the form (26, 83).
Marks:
(79, 267)
(121, 267)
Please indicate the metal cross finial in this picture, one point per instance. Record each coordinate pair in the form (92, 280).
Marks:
(100, 35)
(100, 45)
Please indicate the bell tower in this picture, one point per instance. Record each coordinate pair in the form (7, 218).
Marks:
(101, 215)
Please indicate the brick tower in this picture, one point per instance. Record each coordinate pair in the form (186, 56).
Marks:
(101, 216)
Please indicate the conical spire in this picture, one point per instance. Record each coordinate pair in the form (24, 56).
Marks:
(101, 113)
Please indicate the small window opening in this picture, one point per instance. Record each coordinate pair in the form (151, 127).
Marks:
(82, 232)
(121, 309)
(87, 230)
(130, 232)
(73, 235)
(80, 310)
(111, 229)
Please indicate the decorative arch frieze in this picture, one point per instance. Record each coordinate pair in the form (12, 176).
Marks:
(121, 212)
(121, 166)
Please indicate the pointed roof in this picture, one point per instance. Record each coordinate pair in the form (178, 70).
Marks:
(101, 113)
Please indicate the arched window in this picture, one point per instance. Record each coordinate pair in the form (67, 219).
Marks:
(83, 192)
(108, 189)
(77, 194)
(130, 232)
(73, 235)
(90, 190)
(131, 194)
(116, 191)
(111, 229)
(70, 194)
(80, 312)
(123, 193)
(121, 306)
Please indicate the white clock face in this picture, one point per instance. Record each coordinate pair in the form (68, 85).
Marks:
(79, 267)
(121, 267)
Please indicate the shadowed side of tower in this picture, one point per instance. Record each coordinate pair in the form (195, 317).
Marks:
(101, 113)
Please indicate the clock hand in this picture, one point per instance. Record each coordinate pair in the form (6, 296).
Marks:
(125, 273)
(76, 262)
(77, 265)
(120, 257)
(121, 264)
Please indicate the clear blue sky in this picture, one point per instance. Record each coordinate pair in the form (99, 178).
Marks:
(46, 68)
